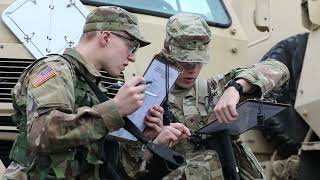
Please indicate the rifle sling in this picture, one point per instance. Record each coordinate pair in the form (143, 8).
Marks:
(159, 150)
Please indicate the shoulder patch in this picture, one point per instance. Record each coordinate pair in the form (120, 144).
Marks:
(44, 76)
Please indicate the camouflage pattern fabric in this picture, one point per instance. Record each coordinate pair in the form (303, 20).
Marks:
(249, 166)
(188, 38)
(187, 110)
(194, 112)
(112, 18)
(62, 114)
(131, 161)
(204, 165)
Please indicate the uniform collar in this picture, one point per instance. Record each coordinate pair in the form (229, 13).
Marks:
(76, 55)
(178, 93)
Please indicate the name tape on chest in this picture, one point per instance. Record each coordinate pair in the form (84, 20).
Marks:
(44, 76)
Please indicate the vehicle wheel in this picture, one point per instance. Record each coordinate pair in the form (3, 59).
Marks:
(287, 129)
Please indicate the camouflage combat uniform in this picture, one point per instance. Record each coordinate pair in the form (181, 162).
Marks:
(187, 40)
(191, 107)
(60, 119)
(62, 114)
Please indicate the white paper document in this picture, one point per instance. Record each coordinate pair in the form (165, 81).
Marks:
(156, 74)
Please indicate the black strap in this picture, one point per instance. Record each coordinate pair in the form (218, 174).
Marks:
(260, 115)
(160, 150)
(236, 85)
(167, 119)
(221, 142)
(108, 169)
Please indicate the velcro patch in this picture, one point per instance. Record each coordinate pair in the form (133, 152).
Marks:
(44, 76)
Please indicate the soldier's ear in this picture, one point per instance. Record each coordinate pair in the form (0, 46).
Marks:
(104, 38)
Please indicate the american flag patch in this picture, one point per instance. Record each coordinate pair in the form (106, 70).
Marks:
(44, 76)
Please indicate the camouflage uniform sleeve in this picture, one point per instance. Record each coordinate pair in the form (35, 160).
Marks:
(267, 75)
(53, 123)
(131, 160)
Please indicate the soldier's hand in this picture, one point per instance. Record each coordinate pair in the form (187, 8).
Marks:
(130, 96)
(172, 134)
(154, 122)
(225, 110)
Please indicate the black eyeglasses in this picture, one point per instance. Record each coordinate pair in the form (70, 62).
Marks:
(133, 45)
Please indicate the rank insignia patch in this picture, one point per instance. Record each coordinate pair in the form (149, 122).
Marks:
(44, 76)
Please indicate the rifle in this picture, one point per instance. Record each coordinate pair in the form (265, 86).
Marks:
(217, 136)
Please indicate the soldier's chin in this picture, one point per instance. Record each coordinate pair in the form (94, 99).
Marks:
(114, 73)
(185, 85)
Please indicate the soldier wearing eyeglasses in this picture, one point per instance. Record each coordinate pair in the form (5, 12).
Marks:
(61, 121)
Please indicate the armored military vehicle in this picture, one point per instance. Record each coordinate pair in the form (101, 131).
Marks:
(243, 31)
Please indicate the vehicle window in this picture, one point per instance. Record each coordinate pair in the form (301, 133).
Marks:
(213, 10)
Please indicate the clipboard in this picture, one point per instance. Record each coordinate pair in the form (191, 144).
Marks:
(248, 117)
(165, 60)
(157, 66)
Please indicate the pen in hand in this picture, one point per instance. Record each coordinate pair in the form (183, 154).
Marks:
(144, 82)
(119, 84)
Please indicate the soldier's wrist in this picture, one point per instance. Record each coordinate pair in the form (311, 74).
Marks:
(236, 85)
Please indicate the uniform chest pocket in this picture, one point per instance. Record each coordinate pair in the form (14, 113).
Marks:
(203, 108)
(192, 118)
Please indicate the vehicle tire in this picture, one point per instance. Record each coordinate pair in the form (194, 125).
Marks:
(287, 129)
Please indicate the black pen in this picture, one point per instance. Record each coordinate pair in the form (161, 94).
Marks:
(145, 82)
(119, 84)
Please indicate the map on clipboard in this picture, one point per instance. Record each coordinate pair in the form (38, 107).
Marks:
(156, 72)
(248, 112)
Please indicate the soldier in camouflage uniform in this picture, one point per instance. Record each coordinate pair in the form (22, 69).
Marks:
(192, 100)
(60, 119)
